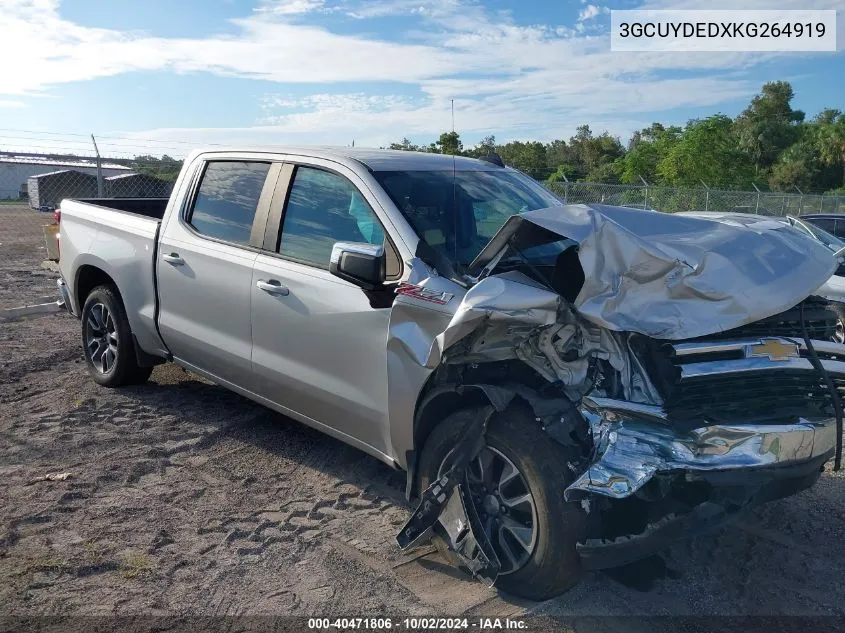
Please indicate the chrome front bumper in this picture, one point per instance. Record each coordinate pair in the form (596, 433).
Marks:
(634, 442)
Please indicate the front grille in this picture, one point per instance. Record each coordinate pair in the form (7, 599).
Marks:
(819, 316)
(710, 380)
(772, 396)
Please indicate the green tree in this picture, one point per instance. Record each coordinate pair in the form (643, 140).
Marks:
(795, 168)
(706, 150)
(769, 141)
(562, 173)
(164, 168)
(449, 143)
(406, 146)
(589, 154)
(769, 124)
(831, 141)
(645, 151)
(558, 154)
(529, 157)
(485, 146)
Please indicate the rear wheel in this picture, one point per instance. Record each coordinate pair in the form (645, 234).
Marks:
(516, 483)
(107, 340)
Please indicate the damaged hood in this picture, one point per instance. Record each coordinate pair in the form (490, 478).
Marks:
(671, 276)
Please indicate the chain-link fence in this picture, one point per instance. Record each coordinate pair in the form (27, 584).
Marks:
(673, 199)
(42, 182)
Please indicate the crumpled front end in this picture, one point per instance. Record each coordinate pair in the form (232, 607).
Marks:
(688, 400)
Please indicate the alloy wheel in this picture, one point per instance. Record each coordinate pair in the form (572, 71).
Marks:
(101, 338)
(506, 507)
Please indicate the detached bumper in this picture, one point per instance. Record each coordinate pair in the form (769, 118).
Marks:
(635, 442)
(768, 484)
(740, 465)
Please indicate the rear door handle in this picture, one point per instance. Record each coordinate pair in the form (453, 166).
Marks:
(272, 287)
(173, 258)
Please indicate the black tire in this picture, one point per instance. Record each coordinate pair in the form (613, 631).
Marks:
(554, 564)
(116, 365)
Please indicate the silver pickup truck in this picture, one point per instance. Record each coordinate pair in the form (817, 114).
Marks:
(568, 387)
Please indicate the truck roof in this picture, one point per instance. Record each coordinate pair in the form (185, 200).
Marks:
(373, 159)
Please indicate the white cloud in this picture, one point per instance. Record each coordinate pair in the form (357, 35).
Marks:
(5, 103)
(591, 11)
(289, 7)
(507, 78)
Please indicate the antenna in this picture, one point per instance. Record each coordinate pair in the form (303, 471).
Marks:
(453, 115)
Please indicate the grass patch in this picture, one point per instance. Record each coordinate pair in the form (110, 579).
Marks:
(134, 565)
(95, 553)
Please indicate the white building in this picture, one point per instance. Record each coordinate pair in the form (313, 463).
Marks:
(15, 170)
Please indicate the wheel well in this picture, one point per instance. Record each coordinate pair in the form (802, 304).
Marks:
(438, 404)
(88, 278)
(433, 407)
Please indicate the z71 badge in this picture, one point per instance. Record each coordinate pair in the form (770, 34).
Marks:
(425, 294)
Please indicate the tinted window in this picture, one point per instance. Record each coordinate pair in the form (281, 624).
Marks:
(824, 223)
(458, 212)
(227, 199)
(324, 208)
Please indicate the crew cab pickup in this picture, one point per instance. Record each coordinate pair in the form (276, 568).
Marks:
(568, 387)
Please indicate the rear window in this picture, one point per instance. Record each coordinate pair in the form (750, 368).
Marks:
(227, 199)
(458, 212)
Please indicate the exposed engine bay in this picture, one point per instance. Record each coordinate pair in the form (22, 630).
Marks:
(685, 362)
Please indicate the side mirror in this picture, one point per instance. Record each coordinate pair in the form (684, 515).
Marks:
(359, 263)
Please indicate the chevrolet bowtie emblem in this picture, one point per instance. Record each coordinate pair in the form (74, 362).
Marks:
(773, 349)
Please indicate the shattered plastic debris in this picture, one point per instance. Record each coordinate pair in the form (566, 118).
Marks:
(51, 477)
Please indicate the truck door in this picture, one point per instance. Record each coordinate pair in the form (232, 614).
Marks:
(204, 267)
(319, 346)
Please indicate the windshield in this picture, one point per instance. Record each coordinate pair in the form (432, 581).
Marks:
(828, 239)
(457, 213)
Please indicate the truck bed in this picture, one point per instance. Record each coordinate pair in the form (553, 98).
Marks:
(118, 236)
(148, 207)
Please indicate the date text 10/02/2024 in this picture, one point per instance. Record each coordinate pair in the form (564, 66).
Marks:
(384, 624)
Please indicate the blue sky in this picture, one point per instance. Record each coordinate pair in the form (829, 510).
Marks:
(162, 75)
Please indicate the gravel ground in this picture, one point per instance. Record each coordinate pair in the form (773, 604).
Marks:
(22, 251)
(186, 499)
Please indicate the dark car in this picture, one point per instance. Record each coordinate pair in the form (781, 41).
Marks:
(830, 222)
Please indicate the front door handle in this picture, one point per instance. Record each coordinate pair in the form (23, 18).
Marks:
(173, 258)
(272, 287)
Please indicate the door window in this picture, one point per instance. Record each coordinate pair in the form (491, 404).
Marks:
(825, 223)
(324, 208)
(227, 199)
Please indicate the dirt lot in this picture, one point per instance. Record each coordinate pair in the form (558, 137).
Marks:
(22, 250)
(186, 499)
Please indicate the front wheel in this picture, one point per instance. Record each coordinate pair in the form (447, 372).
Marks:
(107, 340)
(516, 483)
